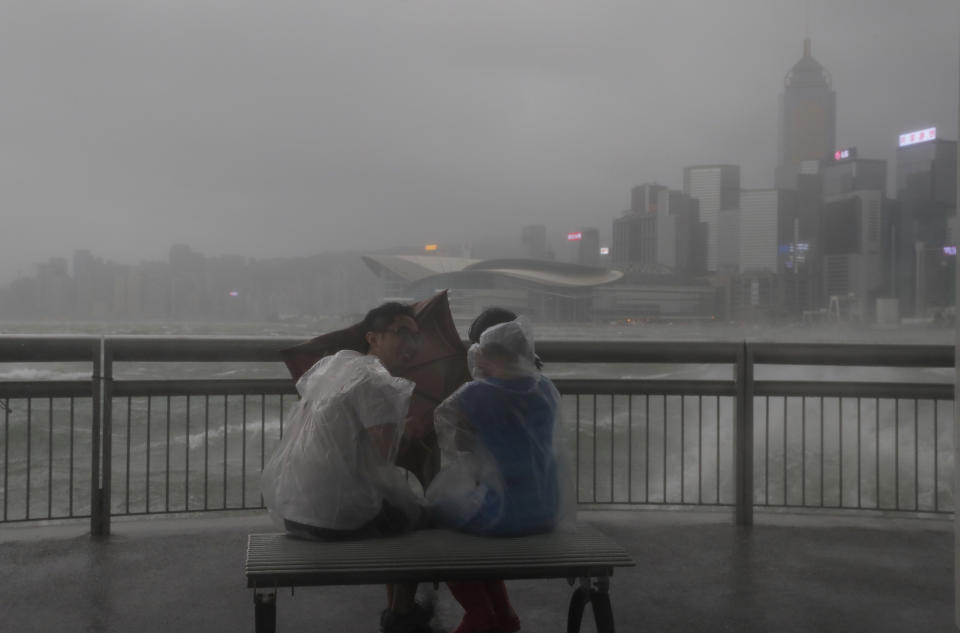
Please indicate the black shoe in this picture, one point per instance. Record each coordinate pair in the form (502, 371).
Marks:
(423, 611)
(414, 621)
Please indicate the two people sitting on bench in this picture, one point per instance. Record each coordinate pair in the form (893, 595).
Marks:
(333, 477)
(501, 473)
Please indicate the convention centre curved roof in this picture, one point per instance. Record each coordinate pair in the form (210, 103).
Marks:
(447, 271)
(412, 268)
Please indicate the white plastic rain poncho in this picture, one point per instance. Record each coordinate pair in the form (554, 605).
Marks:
(328, 472)
(505, 468)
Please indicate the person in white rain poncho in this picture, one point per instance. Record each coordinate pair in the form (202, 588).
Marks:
(504, 468)
(333, 476)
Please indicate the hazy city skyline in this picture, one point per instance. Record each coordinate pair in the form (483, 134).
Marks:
(288, 130)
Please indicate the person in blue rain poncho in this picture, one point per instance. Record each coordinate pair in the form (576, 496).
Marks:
(503, 467)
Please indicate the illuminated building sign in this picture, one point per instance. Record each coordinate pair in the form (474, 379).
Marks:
(950, 250)
(604, 250)
(795, 253)
(234, 293)
(574, 237)
(844, 154)
(919, 136)
(430, 247)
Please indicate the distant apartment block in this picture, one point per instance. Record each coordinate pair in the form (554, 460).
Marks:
(534, 241)
(759, 230)
(852, 249)
(717, 188)
(588, 247)
(923, 244)
(660, 233)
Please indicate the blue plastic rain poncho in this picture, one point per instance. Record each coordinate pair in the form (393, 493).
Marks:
(504, 468)
(328, 472)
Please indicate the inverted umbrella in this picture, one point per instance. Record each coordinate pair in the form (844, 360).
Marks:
(438, 369)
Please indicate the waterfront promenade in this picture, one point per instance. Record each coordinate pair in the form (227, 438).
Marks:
(696, 571)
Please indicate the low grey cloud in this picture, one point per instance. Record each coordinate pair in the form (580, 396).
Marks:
(295, 127)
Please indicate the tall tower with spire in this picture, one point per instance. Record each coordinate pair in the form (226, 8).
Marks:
(808, 118)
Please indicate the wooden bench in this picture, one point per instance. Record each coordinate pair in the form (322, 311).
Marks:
(584, 557)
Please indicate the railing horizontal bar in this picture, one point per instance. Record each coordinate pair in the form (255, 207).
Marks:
(832, 389)
(181, 511)
(622, 505)
(853, 355)
(641, 387)
(29, 349)
(266, 349)
(197, 349)
(636, 352)
(45, 389)
(59, 517)
(132, 388)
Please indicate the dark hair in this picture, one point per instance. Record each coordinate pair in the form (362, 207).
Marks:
(487, 319)
(380, 318)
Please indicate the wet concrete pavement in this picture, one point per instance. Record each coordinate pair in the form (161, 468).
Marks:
(695, 572)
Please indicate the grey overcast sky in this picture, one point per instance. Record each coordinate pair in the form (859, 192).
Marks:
(292, 127)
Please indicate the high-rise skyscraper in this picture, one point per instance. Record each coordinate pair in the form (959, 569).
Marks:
(534, 240)
(845, 175)
(644, 198)
(773, 261)
(923, 243)
(717, 187)
(808, 118)
(661, 233)
(760, 230)
(681, 238)
(588, 247)
(853, 240)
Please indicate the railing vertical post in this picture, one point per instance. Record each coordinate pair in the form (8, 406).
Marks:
(743, 435)
(100, 511)
(956, 431)
(96, 395)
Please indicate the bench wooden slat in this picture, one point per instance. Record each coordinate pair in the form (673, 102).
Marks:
(277, 560)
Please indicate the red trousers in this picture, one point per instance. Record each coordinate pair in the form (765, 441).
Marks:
(486, 607)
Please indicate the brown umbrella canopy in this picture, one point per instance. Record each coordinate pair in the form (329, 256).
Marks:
(440, 367)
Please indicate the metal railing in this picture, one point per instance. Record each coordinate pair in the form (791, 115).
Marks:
(180, 439)
(838, 444)
(891, 457)
(216, 463)
(53, 471)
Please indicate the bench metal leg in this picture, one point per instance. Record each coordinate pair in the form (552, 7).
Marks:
(265, 611)
(578, 601)
(600, 603)
(598, 597)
